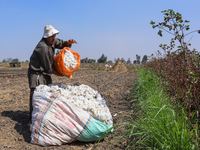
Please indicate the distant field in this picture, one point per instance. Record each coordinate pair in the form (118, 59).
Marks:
(6, 65)
(82, 65)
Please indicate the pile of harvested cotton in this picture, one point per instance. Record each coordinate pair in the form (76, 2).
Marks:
(83, 97)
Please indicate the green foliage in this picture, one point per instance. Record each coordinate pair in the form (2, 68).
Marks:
(58, 51)
(98, 68)
(15, 60)
(10, 60)
(179, 68)
(110, 61)
(102, 59)
(137, 61)
(123, 61)
(128, 61)
(174, 24)
(144, 59)
(134, 67)
(159, 126)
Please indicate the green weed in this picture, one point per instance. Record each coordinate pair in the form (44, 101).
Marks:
(159, 125)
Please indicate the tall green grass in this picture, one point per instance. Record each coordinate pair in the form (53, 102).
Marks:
(159, 125)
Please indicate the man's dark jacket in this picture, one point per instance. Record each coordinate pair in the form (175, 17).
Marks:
(41, 62)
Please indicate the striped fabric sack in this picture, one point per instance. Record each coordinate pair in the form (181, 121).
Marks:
(56, 121)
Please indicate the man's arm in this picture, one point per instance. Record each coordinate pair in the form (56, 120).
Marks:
(61, 44)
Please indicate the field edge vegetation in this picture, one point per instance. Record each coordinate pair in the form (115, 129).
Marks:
(159, 125)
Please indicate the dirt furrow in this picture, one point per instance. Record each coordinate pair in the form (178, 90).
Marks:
(14, 105)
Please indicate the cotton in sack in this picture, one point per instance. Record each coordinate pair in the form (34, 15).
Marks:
(60, 116)
(66, 62)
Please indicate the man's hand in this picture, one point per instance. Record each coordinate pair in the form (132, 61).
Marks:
(71, 41)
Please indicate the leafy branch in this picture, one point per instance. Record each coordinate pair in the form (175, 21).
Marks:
(174, 24)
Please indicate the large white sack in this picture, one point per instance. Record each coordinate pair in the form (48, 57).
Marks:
(55, 119)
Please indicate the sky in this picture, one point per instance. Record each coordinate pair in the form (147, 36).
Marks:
(115, 28)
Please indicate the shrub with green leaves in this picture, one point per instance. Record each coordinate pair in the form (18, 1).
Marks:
(179, 68)
(159, 125)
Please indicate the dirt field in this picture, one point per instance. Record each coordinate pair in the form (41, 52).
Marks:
(14, 106)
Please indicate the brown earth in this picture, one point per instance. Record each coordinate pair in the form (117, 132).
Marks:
(14, 106)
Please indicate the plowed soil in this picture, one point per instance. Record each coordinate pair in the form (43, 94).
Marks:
(14, 106)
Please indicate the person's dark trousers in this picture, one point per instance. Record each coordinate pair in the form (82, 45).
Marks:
(30, 103)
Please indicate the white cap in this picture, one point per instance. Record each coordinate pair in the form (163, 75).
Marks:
(49, 30)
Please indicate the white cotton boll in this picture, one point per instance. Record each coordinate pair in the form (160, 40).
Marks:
(69, 60)
(99, 98)
(68, 87)
(83, 97)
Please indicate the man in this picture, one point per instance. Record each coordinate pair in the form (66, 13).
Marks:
(41, 61)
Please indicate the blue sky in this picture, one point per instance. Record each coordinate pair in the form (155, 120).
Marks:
(116, 28)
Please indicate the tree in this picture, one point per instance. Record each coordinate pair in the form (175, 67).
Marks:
(58, 51)
(16, 59)
(91, 60)
(84, 60)
(176, 26)
(144, 59)
(128, 61)
(110, 61)
(123, 61)
(9, 59)
(102, 59)
(115, 60)
(138, 59)
(179, 67)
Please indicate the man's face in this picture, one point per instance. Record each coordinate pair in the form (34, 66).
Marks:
(51, 39)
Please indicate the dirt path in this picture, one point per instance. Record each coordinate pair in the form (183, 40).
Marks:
(14, 106)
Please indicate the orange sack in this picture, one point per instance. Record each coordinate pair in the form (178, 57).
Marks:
(59, 63)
